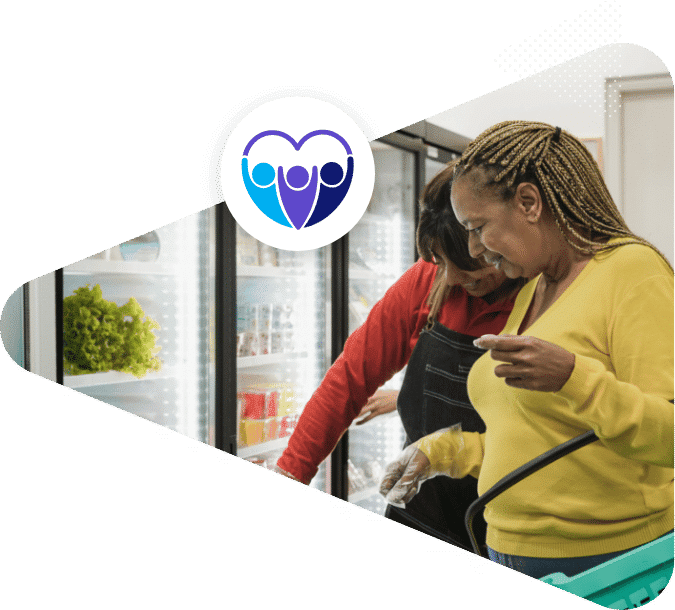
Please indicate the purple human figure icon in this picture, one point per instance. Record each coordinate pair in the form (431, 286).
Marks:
(298, 201)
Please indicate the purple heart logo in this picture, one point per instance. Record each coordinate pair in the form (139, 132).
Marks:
(298, 190)
(297, 145)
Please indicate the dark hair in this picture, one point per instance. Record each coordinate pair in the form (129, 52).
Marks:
(438, 228)
(439, 232)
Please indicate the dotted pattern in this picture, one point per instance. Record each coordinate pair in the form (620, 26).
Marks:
(581, 80)
(592, 29)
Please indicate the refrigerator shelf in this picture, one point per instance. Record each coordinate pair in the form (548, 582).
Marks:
(94, 266)
(377, 219)
(367, 274)
(111, 377)
(274, 446)
(267, 271)
(245, 362)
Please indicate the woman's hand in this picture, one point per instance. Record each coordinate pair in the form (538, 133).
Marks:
(383, 401)
(403, 477)
(278, 470)
(532, 364)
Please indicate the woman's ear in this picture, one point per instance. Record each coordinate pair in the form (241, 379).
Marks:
(528, 199)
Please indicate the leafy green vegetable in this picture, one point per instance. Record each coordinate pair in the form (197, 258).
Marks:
(99, 336)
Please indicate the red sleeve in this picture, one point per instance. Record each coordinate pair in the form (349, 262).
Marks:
(373, 353)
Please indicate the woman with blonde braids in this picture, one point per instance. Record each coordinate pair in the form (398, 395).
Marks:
(588, 346)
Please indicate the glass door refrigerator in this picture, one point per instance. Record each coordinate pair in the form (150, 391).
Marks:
(381, 248)
(283, 339)
(169, 273)
(247, 332)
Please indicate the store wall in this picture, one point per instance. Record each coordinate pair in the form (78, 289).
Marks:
(571, 95)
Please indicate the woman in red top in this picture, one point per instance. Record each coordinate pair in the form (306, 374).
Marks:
(427, 320)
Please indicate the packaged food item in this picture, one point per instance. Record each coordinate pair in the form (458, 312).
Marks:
(254, 317)
(284, 426)
(277, 316)
(276, 342)
(253, 405)
(267, 255)
(245, 344)
(264, 343)
(274, 428)
(287, 259)
(271, 403)
(247, 249)
(242, 433)
(251, 431)
(254, 344)
(270, 429)
(287, 401)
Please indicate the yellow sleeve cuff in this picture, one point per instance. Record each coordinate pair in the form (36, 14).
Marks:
(453, 453)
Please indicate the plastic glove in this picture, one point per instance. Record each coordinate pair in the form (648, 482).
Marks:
(430, 456)
(403, 477)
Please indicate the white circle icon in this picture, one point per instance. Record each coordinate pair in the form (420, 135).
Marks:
(297, 173)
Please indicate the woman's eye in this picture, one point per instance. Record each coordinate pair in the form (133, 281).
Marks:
(476, 231)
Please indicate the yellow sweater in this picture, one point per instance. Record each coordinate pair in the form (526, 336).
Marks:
(617, 318)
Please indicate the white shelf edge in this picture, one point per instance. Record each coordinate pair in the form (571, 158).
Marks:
(90, 267)
(247, 362)
(110, 377)
(278, 444)
(267, 271)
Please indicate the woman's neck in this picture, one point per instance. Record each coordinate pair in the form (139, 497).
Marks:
(506, 291)
(565, 261)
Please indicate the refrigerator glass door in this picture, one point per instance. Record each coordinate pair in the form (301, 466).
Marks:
(432, 167)
(381, 248)
(283, 344)
(170, 273)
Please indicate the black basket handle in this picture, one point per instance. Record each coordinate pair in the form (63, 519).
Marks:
(519, 474)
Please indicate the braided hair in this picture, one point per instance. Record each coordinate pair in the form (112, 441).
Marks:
(439, 232)
(562, 168)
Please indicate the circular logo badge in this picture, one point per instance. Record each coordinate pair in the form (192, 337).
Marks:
(297, 173)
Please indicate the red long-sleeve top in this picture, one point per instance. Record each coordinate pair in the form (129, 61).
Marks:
(373, 354)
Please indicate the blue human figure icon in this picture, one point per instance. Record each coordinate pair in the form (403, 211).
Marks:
(298, 201)
(263, 190)
(332, 190)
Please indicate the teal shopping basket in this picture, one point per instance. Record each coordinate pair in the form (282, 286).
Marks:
(630, 580)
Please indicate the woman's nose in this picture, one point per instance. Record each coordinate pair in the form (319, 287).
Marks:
(475, 247)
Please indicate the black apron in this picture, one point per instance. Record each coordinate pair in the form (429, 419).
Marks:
(434, 396)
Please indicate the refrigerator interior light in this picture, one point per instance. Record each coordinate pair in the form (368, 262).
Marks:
(187, 310)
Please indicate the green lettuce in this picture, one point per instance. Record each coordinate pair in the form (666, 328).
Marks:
(99, 336)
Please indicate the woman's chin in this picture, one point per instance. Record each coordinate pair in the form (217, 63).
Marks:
(511, 271)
